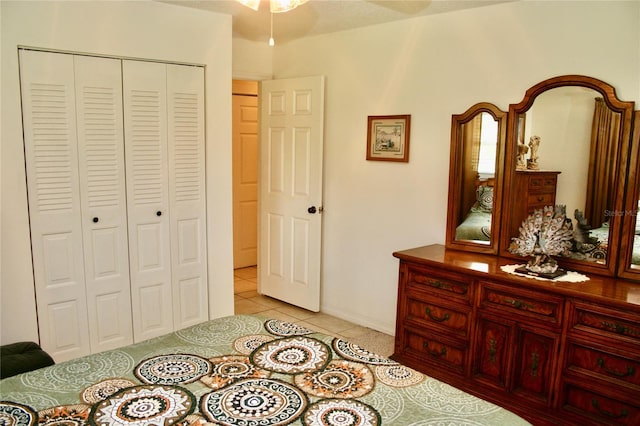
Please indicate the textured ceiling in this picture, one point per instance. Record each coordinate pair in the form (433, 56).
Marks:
(324, 16)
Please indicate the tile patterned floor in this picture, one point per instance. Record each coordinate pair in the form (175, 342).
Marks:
(248, 301)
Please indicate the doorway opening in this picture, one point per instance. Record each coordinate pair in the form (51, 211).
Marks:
(245, 185)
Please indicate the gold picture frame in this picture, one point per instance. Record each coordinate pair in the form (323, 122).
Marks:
(388, 138)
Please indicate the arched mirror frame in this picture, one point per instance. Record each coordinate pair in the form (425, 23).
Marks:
(626, 111)
(630, 217)
(456, 178)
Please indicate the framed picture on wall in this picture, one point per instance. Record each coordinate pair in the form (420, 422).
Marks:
(388, 137)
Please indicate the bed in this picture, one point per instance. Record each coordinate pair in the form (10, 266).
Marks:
(239, 370)
(476, 225)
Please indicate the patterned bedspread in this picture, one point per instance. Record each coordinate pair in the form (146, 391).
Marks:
(240, 370)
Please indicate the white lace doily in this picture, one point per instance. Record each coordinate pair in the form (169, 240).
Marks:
(570, 276)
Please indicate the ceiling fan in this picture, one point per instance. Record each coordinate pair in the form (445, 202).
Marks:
(275, 6)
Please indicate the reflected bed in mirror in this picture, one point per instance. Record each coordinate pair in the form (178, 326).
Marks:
(583, 133)
(475, 175)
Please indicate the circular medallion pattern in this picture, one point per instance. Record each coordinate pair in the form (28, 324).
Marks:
(284, 328)
(247, 344)
(254, 402)
(231, 368)
(292, 355)
(341, 412)
(354, 352)
(217, 332)
(398, 376)
(440, 397)
(172, 369)
(339, 379)
(64, 415)
(14, 414)
(144, 405)
(81, 372)
(104, 389)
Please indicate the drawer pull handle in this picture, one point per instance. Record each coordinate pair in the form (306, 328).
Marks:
(620, 329)
(439, 284)
(630, 370)
(431, 352)
(535, 362)
(493, 349)
(623, 413)
(444, 318)
(540, 198)
(432, 283)
(518, 304)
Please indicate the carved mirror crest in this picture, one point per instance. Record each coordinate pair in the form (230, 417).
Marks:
(475, 178)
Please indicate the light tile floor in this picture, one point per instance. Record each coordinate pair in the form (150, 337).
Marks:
(249, 301)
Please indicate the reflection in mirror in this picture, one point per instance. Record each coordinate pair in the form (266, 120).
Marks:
(477, 141)
(577, 134)
(630, 259)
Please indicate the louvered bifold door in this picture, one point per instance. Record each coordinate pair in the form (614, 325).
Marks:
(49, 120)
(185, 98)
(145, 129)
(98, 83)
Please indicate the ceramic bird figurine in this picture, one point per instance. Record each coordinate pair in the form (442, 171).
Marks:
(543, 234)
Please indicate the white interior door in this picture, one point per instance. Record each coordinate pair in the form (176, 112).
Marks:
(185, 98)
(245, 179)
(291, 153)
(145, 128)
(98, 86)
(51, 151)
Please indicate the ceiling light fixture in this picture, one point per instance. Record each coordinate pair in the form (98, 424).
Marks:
(275, 6)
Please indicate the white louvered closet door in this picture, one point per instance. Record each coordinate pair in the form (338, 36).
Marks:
(185, 97)
(145, 128)
(49, 120)
(98, 84)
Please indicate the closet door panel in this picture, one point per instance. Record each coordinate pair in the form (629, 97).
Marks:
(185, 100)
(49, 122)
(98, 86)
(145, 129)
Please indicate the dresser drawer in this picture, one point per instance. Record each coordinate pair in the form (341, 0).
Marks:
(435, 350)
(614, 324)
(585, 359)
(600, 408)
(540, 200)
(542, 183)
(425, 313)
(439, 283)
(530, 304)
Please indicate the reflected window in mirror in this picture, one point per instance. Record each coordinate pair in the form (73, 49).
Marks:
(477, 146)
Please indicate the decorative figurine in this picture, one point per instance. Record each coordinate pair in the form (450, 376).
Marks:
(521, 163)
(532, 162)
(584, 245)
(543, 234)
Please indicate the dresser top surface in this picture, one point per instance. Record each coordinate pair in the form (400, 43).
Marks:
(485, 266)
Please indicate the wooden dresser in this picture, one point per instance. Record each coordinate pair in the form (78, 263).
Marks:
(552, 352)
(535, 189)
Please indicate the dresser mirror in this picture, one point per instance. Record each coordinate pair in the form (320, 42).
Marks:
(475, 178)
(567, 144)
(630, 244)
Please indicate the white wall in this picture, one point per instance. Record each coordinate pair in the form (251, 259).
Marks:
(433, 67)
(139, 29)
(252, 60)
